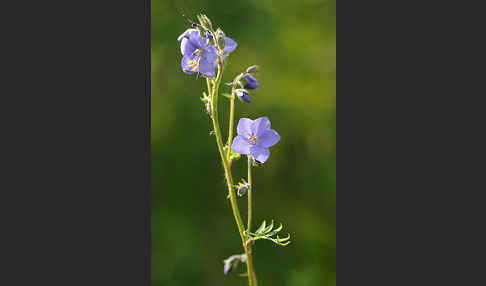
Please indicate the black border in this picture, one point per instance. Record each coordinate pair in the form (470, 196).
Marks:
(76, 129)
(148, 138)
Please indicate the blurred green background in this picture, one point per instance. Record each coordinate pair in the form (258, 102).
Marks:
(193, 228)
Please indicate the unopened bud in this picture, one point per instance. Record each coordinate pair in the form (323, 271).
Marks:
(220, 38)
(252, 69)
(227, 268)
(242, 189)
(205, 22)
(242, 95)
(209, 36)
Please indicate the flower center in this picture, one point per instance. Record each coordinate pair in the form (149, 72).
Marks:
(253, 140)
(194, 64)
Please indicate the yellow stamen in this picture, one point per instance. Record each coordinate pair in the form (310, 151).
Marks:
(253, 140)
(192, 63)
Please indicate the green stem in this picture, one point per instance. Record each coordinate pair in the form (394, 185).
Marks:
(249, 264)
(251, 276)
(249, 194)
(217, 132)
(231, 119)
(227, 172)
(209, 86)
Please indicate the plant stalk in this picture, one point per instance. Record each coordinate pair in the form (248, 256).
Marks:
(250, 208)
(227, 171)
(231, 120)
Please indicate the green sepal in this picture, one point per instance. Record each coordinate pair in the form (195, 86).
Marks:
(234, 155)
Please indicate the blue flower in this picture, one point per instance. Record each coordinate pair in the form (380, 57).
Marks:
(198, 55)
(243, 95)
(255, 137)
(250, 82)
(230, 46)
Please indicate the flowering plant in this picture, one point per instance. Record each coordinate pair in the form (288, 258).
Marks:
(204, 52)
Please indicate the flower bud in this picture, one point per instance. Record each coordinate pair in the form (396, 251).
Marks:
(209, 36)
(250, 81)
(205, 22)
(220, 38)
(252, 69)
(242, 189)
(232, 262)
(227, 268)
(243, 95)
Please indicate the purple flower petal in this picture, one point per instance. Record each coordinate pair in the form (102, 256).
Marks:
(260, 125)
(244, 127)
(230, 45)
(186, 34)
(211, 53)
(206, 68)
(250, 82)
(243, 95)
(241, 145)
(187, 48)
(208, 63)
(198, 41)
(268, 138)
(185, 63)
(259, 153)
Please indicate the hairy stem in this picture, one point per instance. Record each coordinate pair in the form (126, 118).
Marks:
(209, 86)
(251, 272)
(227, 171)
(249, 264)
(249, 195)
(217, 132)
(231, 119)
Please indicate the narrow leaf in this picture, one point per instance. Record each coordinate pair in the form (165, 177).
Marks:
(269, 228)
(275, 231)
(283, 239)
(262, 227)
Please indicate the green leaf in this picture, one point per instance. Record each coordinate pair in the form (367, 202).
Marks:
(269, 228)
(266, 232)
(275, 231)
(283, 239)
(228, 95)
(259, 230)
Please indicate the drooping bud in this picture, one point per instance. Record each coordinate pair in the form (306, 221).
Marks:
(232, 262)
(220, 38)
(227, 268)
(242, 95)
(253, 69)
(242, 189)
(250, 81)
(205, 22)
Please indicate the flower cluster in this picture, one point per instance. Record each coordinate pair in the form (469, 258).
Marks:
(200, 53)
